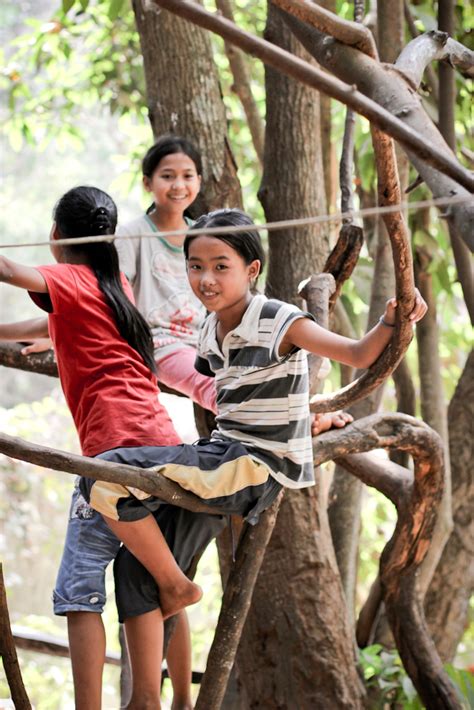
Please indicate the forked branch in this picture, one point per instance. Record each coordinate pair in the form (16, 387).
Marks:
(417, 497)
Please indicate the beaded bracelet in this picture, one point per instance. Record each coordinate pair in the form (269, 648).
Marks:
(384, 322)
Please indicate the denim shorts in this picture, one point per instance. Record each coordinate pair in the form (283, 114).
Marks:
(89, 548)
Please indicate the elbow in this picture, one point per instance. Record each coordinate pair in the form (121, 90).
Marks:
(5, 270)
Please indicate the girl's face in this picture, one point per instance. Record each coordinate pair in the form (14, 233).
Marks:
(219, 276)
(175, 183)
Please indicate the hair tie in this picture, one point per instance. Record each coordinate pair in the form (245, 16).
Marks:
(100, 219)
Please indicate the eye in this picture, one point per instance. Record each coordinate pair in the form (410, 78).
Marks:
(221, 267)
(194, 267)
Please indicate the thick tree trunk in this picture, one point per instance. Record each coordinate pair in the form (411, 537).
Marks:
(291, 149)
(184, 97)
(298, 601)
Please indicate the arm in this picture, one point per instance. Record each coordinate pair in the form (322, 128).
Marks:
(25, 330)
(22, 276)
(362, 353)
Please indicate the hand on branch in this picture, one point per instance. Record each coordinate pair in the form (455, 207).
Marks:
(418, 312)
(38, 346)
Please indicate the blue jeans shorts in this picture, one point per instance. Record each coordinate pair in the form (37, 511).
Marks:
(89, 548)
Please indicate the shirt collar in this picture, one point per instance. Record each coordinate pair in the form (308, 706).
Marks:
(247, 328)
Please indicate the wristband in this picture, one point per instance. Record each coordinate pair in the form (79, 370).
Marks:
(384, 322)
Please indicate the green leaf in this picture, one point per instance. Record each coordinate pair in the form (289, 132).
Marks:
(67, 4)
(115, 8)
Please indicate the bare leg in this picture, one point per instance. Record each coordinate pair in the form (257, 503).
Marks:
(87, 647)
(145, 646)
(144, 539)
(178, 660)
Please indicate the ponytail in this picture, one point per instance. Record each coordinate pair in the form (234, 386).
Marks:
(89, 211)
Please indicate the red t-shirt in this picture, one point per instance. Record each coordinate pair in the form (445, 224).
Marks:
(112, 395)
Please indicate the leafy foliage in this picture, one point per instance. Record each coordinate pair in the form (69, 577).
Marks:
(384, 673)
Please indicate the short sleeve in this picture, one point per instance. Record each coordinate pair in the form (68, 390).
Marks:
(62, 289)
(284, 315)
(128, 250)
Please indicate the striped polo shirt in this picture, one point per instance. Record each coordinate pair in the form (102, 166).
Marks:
(262, 398)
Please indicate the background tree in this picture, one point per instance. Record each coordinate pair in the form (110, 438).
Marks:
(171, 96)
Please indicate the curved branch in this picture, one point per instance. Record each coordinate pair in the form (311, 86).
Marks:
(431, 78)
(428, 47)
(148, 480)
(417, 500)
(308, 74)
(388, 87)
(350, 33)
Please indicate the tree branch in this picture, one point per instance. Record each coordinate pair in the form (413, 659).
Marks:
(235, 606)
(350, 33)
(428, 47)
(308, 74)
(417, 502)
(431, 77)
(148, 480)
(8, 654)
(40, 363)
(387, 86)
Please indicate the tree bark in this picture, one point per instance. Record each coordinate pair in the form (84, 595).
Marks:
(447, 601)
(384, 119)
(383, 84)
(242, 86)
(433, 409)
(299, 566)
(184, 97)
(291, 149)
(8, 654)
(447, 95)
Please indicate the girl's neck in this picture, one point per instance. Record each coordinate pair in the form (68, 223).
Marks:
(229, 320)
(73, 257)
(169, 222)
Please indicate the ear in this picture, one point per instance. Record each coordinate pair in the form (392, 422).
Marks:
(54, 233)
(254, 269)
(146, 183)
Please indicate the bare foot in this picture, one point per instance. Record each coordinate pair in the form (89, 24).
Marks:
(174, 599)
(324, 422)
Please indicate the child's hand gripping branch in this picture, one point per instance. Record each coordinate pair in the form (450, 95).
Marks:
(323, 422)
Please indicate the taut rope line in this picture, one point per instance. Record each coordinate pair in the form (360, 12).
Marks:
(270, 226)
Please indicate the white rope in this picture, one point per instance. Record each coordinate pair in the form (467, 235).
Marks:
(270, 226)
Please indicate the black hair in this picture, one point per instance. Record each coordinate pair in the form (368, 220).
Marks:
(168, 145)
(88, 211)
(246, 243)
